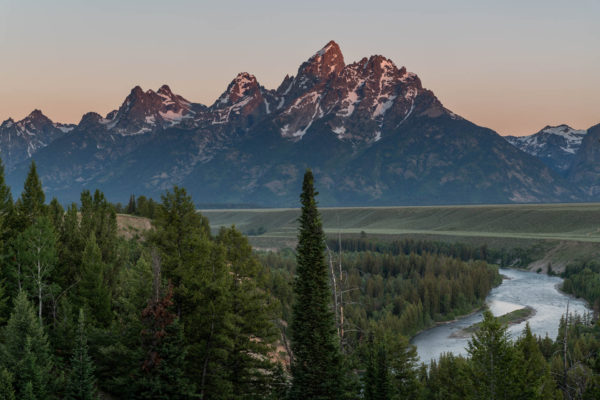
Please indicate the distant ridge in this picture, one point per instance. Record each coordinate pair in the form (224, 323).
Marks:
(370, 131)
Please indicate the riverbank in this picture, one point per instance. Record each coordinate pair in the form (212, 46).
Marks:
(450, 321)
(537, 291)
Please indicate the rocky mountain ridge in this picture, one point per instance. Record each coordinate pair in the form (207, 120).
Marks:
(370, 131)
(556, 146)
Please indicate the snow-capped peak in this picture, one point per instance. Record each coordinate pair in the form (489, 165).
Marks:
(143, 112)
(565, 131)
(555, 145)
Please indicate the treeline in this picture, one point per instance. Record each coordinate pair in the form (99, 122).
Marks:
(324, 366)
(405, 293)
(502, 257)
(140, 206)
(184, 314)
(582, 279)
(83, 312)
(528, 368)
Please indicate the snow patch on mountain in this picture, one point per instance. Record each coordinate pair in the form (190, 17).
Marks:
(566, 138)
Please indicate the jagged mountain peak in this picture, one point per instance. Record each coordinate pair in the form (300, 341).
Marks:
(330, 50)
(165, 90)
(36, 119)
(136, 92)
(369, 129)
(143, 112)
(7, 124)
(243, 85)
(556, 145)
(563, 130)
(90, 118)
(37, 113)
(327, 62)
(21, 139)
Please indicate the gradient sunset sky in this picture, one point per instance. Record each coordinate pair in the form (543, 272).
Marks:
(513, 66)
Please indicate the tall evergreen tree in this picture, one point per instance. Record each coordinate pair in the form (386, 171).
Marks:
(6, 208)
(81, 384)
(25, 351)
(493, 361)
(56, 213)
(178, 228)
(131, 205)
(165, 351)
(370, 376)
(7, 391)
(196, 266)
(70, 249)
(93, 292)
(316, 364)
(6, 204)
(253, 332)
(382, 377)
(31, 204)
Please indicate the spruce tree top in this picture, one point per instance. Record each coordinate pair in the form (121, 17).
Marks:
(32, 198)
(316, 362)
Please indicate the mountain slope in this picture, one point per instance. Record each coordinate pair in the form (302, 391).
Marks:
(369, 130)
(556, 146)
(22, 139)
(585, 171)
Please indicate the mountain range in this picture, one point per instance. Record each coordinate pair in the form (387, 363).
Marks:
(370, 131)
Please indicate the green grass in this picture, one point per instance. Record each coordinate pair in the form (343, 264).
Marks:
(579, 222)
(558, 232)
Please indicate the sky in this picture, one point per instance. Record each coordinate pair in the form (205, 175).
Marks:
(512, 66)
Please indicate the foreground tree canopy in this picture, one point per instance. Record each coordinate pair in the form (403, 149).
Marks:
(181, 312)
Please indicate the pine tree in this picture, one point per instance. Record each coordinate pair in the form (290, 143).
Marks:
(493, 361)
(402, 363)
(70, 249)
(178, 227)
(163, 343)
(382, 377)
(316, 363)
(253, 332)
(29, 393)
(4, 306)
(6, 208)
(81, 384)
(56, 213)
(534, 373)
(369, 379)
(31, 204)
(201, 280)
(449, 378)
(25, 351)
(7, 391)
(6, 204)
(92, 288)
(131, 205)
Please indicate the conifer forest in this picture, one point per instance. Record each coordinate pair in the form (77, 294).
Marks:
(183, 312)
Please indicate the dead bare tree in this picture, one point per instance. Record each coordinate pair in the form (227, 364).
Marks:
(334, 289)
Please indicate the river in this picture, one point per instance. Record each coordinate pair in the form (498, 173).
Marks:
(521, 289)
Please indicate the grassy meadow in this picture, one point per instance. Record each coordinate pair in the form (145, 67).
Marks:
(556, 233)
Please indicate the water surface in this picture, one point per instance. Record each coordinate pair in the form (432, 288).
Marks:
(521, 289)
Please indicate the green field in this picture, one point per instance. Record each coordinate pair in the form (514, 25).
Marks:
(559, 232)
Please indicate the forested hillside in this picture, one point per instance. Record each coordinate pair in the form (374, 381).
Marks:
(179, 313)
